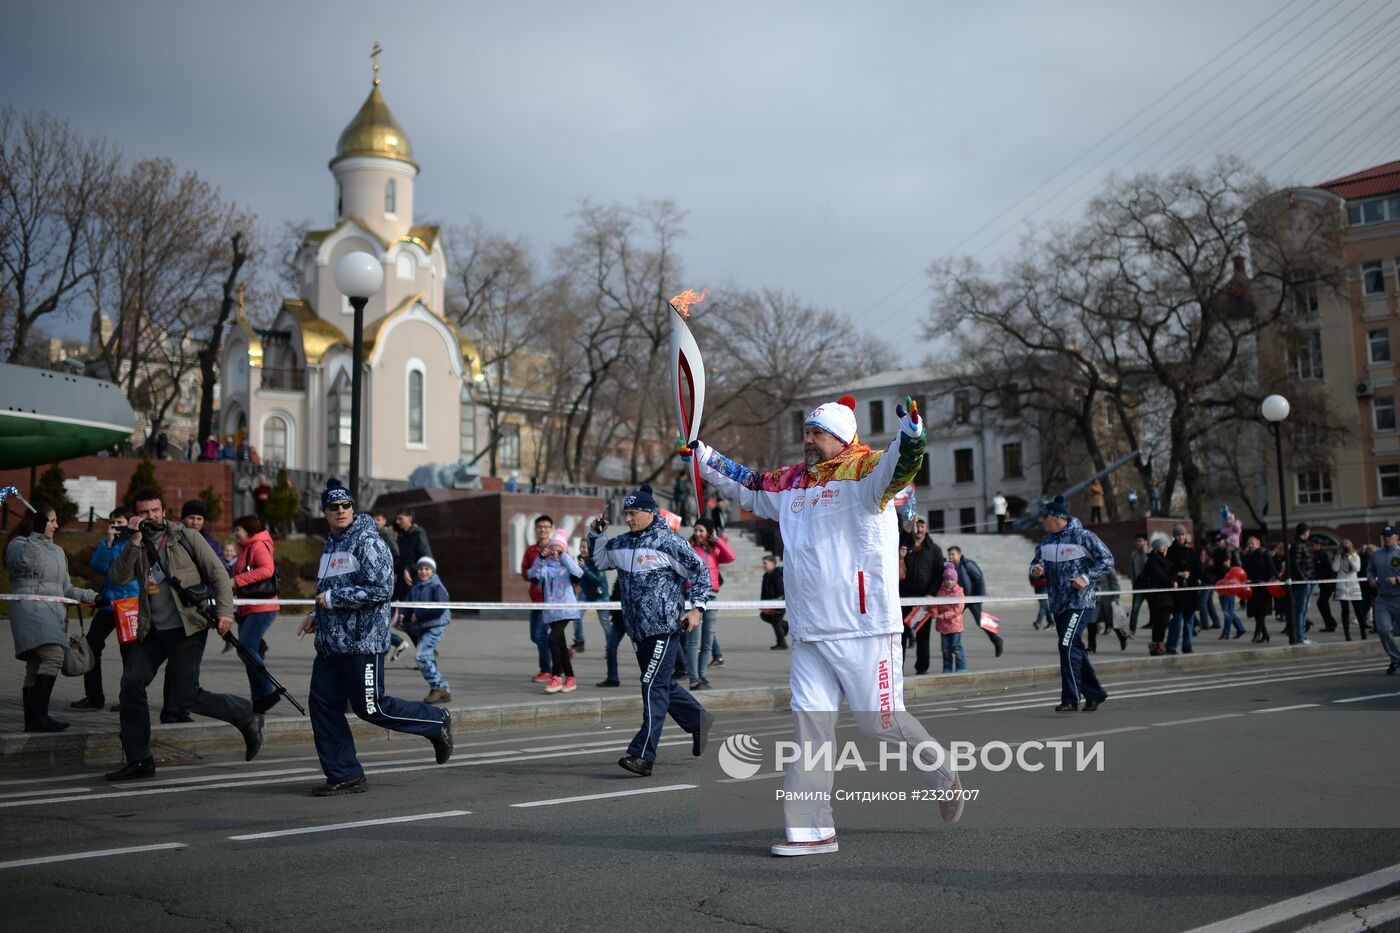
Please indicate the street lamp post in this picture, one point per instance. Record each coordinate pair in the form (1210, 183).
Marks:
(358, 276)
(1275, 409)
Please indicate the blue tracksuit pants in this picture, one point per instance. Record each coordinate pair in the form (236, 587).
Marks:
(660, 694)
(358, 678)
(1077, 676)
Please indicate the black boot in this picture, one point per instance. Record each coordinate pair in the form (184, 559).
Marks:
(24, 701)
(38, 719)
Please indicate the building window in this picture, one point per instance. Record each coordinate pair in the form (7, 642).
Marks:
(338, 425)
(391, 197)
(1314, 487)
(962, 465)
(1383, 412)
(415, 403)
(1389, 477)
(1372, 278)
(274, 439)
(1300, 298)
(962, 406)
(1307, 436)
(508, 447)
(877, 416)
(406, 266)
(935, 522)
(1011, 461)
(467, 426)
(1305, 356)
(967, 520)
(1011, 399)
(1375, 211)
(1378, 345)
(339, 202)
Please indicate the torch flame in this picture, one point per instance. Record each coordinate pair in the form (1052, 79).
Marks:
(685, 299)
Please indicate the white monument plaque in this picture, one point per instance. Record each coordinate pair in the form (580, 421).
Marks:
(90, 492)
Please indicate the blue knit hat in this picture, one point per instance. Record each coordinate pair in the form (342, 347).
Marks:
(640, 501)
(335, 492)
(1055, 506)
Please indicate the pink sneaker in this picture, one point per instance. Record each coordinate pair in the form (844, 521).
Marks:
(554, 686)
(570, 685)
(541, 678)
(817, 847)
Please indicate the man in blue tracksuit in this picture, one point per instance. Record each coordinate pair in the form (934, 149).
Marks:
(1073, 560)
(351, 622)
(653, 566)
(1383, 576)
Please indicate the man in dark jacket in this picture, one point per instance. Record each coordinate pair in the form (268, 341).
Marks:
(1187, 569)
(351, 622)
(413, 545)
(974, 584)
(653, 566)
(172, 630)
(1303, 570)
(1322, 573)
(921, 575)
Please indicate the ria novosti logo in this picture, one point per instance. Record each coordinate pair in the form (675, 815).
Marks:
(740, 756)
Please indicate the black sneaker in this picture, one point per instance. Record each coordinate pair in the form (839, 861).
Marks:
(577, 646)
(638, 766)
(358, 786)
(442, 744)
(717, 662)
(141, 768)
(1067, 708)
(1091, 705)
(88, 703)
(701, 737)
(608, 683)
(252, 738)
(168, 716)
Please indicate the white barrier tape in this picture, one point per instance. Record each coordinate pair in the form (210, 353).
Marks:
(721, 606)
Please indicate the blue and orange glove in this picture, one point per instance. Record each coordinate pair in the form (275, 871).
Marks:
(908, 414)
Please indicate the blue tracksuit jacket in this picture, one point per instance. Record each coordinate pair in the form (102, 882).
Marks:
(357, 574)
(653, 565)
(1071, 552)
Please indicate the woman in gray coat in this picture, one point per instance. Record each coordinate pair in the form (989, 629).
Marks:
(39, 567)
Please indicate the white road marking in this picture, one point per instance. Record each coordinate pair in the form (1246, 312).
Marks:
(1374, 696)
(765, 776)
(97, 853)
(358, 824)
(1370, 917)
(620, 793)
(1304, 904)
(1187, 722)
(1284, 709)
(41, 793)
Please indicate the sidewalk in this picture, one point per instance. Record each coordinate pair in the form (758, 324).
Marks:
(489, 663)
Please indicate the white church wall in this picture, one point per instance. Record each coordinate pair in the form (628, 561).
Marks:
(413, 344)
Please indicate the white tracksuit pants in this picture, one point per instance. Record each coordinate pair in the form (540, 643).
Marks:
(868, 672)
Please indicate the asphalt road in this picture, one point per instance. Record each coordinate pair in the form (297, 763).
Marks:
(1221, 793)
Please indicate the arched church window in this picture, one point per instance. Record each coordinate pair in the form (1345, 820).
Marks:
(391, 196)
(338, 410)
(407, 266)
(415, 403)
(339, 202)
(274, 445)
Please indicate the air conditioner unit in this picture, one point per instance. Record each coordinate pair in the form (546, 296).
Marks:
(1365, 389)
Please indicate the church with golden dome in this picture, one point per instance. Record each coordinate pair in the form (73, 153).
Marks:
(286, 387)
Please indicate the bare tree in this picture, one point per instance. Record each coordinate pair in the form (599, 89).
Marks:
(208, 356)
(1143, 308)
(52, 182)
(494, 299)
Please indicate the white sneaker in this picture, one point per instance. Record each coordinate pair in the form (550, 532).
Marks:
(1306, 641)
(952, 810)
(818, 847)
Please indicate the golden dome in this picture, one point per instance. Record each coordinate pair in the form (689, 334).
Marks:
(374, 132)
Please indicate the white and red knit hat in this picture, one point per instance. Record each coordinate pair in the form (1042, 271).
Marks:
(836, 418)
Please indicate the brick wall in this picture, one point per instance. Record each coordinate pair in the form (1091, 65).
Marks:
(179, 479)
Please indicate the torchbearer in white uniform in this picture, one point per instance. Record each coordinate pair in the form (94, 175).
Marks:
(841, 539)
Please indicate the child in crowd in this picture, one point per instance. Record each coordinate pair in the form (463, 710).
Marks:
(231, 556)
(427, 626)
(772, 588)
(947, 620)
(555, 571)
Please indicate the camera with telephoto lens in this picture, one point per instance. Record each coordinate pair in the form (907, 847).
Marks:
(150, 528)
(123, 533)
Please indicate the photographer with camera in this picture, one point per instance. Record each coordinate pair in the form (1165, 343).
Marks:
(184, 590)
(104, 620)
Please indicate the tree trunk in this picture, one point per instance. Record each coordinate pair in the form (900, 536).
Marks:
(209, 354)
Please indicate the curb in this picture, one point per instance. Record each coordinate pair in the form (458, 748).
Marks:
(185, 742)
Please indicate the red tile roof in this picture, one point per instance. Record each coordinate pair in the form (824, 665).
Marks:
(1382, 179)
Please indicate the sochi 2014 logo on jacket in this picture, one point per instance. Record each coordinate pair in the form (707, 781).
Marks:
(338, 563)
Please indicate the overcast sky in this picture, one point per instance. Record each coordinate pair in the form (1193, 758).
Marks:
(827, 149)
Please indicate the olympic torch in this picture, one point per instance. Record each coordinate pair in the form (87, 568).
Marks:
(688, 381)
